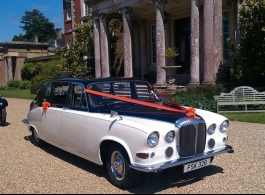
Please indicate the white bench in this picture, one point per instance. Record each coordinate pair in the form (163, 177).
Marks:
(242, 95)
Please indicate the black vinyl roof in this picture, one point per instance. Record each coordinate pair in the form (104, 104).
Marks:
(99, 80)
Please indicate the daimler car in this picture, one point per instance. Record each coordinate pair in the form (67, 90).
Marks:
(127, 125)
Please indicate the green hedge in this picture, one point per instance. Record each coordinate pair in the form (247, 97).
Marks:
(203, 94)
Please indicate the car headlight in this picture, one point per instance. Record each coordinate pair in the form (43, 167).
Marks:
(0, 103)
(170, 136)
(153, 139)
(211, 129)
(224, 126)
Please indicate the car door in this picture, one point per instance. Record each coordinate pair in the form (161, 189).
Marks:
(36, 111)
(73, 125)
(51, 117)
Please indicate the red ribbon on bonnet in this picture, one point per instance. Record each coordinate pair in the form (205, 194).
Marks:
(190, 112)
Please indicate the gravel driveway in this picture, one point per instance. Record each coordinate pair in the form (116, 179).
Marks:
(26, 169)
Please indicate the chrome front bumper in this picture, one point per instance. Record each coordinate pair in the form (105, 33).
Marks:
(160, 167)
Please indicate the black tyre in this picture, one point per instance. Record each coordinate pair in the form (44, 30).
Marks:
(35, 139)
(2, 116)
(120, 174)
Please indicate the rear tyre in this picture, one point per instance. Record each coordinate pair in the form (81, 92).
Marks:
(120, 174)
(35, 139)
(2, 116)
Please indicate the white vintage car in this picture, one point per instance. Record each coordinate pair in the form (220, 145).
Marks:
(124, 124)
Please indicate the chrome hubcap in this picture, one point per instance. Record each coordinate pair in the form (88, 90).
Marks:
(117, 165)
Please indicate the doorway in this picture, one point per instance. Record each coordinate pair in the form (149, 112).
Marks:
(182, 42)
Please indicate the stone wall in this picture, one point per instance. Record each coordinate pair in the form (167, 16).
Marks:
(2, 70)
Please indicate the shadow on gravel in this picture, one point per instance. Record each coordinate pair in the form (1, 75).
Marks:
(73, 159)
(4, 125)
(152, 183)
(149, 183)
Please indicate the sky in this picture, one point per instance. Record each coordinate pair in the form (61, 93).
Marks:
(11, 12)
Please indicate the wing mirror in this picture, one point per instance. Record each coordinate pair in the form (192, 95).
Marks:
(199, 105)
(114, 114)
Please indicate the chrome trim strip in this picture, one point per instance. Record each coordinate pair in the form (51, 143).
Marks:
(196, 138)
(158, 168)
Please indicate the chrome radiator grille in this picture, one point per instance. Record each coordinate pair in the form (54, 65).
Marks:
(192, 140)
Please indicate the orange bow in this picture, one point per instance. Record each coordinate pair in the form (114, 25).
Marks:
(45, 106)
(190, 112)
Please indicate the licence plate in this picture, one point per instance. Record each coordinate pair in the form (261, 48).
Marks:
(196, 165)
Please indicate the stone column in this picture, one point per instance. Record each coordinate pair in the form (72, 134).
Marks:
(238, 34)
(104, 48)
(208, 69)
(127, 41)
(97, 46)
(18, 63)
(195, 37)
(160, 43)
(9, 69)
(218, 36)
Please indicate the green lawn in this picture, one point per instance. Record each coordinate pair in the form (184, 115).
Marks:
(258, 117)
(17, 93)
(243, 117)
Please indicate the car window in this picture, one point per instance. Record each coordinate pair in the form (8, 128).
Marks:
(44, 93)
(122, 89)
(143, 92)
(96, 100)
(59, 93)
(77, 96)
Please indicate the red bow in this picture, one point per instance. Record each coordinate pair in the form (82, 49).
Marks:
(190, 112)
(45, 106)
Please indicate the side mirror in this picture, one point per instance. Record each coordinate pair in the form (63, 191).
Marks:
(199, 105)
(114, 114)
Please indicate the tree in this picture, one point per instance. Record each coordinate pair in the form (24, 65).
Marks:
(78, 56)
(35, 24)
(248, 58)
(20, 37)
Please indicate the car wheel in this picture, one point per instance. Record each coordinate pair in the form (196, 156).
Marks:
(120, 174)
(35, 138)
(3, 116)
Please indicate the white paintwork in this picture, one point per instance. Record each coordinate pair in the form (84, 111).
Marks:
(81, 133)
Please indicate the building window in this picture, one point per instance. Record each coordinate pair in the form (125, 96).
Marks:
(68, 9)
(86, 9)
(225, 33)
(153, 44)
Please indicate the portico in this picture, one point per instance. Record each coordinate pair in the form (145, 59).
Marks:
(194, 27)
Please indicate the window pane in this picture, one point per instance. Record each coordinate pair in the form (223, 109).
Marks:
(68, 9)
(97, 100)
(143, 92)
(59, 93)
(76, 96)
(122, 89)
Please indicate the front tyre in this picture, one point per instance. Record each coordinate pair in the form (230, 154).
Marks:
(118, 168)
(2, 116)
(35, 139)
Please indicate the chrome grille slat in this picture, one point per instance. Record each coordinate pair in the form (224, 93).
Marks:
(192, 137)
